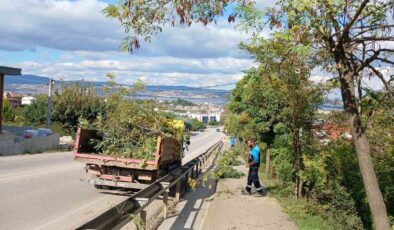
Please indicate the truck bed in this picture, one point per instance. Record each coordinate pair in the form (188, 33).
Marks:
(116, 170)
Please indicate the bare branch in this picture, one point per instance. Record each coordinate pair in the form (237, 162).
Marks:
(380, 76)
(347, 28)
(368, 61)
(370, 28)
(365, 39)
(385, 60)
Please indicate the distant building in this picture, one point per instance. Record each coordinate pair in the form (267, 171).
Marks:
(334, 131)
(205, 119)
(28, 100)
(14, 99)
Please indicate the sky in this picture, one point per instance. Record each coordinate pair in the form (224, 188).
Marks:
(72, 40)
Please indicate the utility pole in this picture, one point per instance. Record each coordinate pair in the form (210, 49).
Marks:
(49, 113)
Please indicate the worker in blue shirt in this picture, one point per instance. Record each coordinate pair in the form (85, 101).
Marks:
(232, 142)
(253, 165)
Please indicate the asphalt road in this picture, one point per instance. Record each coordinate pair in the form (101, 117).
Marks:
(43, 191)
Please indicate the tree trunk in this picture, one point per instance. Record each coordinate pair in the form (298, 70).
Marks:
(297, 162)
(267, 162)
(360, 140)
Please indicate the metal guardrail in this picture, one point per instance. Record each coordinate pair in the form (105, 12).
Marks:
(123, 213)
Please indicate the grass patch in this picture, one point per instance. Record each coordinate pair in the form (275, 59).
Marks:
(307, 216)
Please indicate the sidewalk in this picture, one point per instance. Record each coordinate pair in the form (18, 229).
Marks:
(230, 210)
(223, 207)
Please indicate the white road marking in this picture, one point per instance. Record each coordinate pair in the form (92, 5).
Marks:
(197, 204)
(189, 222)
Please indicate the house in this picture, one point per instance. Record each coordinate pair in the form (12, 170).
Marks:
(334, 131)
(14, 99)
(5, 71)
(28, 100)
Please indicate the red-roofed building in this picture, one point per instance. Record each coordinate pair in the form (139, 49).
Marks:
(14, 99)
(5, 71)
(335, 131)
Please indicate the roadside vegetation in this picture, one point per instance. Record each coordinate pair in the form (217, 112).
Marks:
(225, 163)
(79, 104)
(348, 40)
(276, 101)
(224, 166)
(342, 184)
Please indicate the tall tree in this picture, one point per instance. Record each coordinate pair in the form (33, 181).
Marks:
(351, 38)
(262, 99)
(285, 57)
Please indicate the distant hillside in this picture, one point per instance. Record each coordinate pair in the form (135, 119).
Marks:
(25, 79)
(33, 80)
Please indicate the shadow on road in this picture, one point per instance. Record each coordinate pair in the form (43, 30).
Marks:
(193, 202)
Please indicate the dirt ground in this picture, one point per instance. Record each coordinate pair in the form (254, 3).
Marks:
(230, 210)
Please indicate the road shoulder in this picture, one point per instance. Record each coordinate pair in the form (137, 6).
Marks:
(229, 209)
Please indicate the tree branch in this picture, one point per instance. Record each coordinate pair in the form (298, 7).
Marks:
(368, 61)
(381, 77)
(347, 28)
(385, 60)
(365, 39)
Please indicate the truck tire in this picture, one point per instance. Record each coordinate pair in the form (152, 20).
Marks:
(98, 186)
(104, 187)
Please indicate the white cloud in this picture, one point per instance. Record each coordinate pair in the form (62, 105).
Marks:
(86, 46)
(80, 26)
(152, 70)
(63, 25)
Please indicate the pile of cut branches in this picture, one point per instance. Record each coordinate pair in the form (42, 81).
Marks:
(130, 127)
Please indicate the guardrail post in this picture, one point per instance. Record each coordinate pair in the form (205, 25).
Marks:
(193, 172)
(178, 191)
(165, 199)
(143, 219)
(187, 180)
(197, 169)
(141, 201)
(165, 204)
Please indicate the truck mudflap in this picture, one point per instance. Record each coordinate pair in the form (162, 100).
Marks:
(117, 184)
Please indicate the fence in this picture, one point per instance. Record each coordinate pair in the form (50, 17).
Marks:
(121, 214)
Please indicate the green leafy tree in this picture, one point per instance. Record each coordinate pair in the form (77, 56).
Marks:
(279, 94)
(8, 112)
(347, 38)
(183, 102)
(36, 113)
(196, 124)
(143, 19)
(263, 100)
(75, 102)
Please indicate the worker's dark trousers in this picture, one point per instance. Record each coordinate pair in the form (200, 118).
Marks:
(253, 177)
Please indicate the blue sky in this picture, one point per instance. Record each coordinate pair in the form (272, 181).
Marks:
(72, 40)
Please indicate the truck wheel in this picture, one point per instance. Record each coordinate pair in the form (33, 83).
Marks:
(98, 186)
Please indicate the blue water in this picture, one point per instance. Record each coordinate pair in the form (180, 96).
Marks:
(215, 101)
(331, 107)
